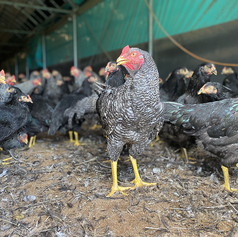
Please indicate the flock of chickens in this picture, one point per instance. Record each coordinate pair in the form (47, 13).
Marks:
(132, 104)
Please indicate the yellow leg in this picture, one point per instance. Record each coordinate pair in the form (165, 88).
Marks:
(226, 179)
(77, 143)
(1, 149)
(155, 141)
(157, 138)
(34, 140)
(31, 142)
(184, 151)
(137, 181)
(95, 126)
(184, 154)
(115, 186)
(71, 136)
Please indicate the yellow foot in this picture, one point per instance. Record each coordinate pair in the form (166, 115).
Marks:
(2, 162)
(140, 183)
(228, 188)
(105, 161)
(71, 141)
(1, 149)
(71, 137)
(116, 188)
(77, 143)
(95, 126)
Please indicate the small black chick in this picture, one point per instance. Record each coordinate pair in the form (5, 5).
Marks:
(231, 79)
(175, 84)
(214, 125)
(59, 121)
(201, 75)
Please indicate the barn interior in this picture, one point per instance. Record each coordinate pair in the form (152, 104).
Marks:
(58, 188)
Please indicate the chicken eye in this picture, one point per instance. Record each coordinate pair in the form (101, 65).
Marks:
(133, 54)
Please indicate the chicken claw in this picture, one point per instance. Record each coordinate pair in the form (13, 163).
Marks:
(138, 181)
(71, 136)
(95, 127)
(226, 179)
(115, 186)
(77, 143)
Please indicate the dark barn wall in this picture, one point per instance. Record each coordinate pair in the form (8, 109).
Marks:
(217, 43)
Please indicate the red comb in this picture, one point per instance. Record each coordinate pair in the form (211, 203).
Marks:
(72, 68)
(2, 73)
(125, 49)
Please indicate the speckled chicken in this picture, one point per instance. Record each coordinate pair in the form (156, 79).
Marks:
(214, 125)
(131, 113)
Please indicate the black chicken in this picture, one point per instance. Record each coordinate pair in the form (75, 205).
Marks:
(214, 125)
(59, 121)
(231, 79)
(15, 140)
(173, 134)
(115, 76)
(29, 86)
(201, 75)
(217, 91)
(175, 84)
(39, 121)
(14, 114)
(55, 88)
(131, 113)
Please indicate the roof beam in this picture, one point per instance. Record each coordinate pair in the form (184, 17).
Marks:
(11, 44)
(16, 31)
(50, 9)
(81, 9)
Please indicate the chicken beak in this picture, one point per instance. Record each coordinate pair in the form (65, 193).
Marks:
(214, 70)
(25, 140)
(201, 90)
(2, 80)
(121, 60)
(29, 99)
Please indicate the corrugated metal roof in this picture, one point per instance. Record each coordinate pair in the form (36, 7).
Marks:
(22, 19)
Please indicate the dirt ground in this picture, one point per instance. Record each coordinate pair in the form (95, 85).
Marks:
(58, 189)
